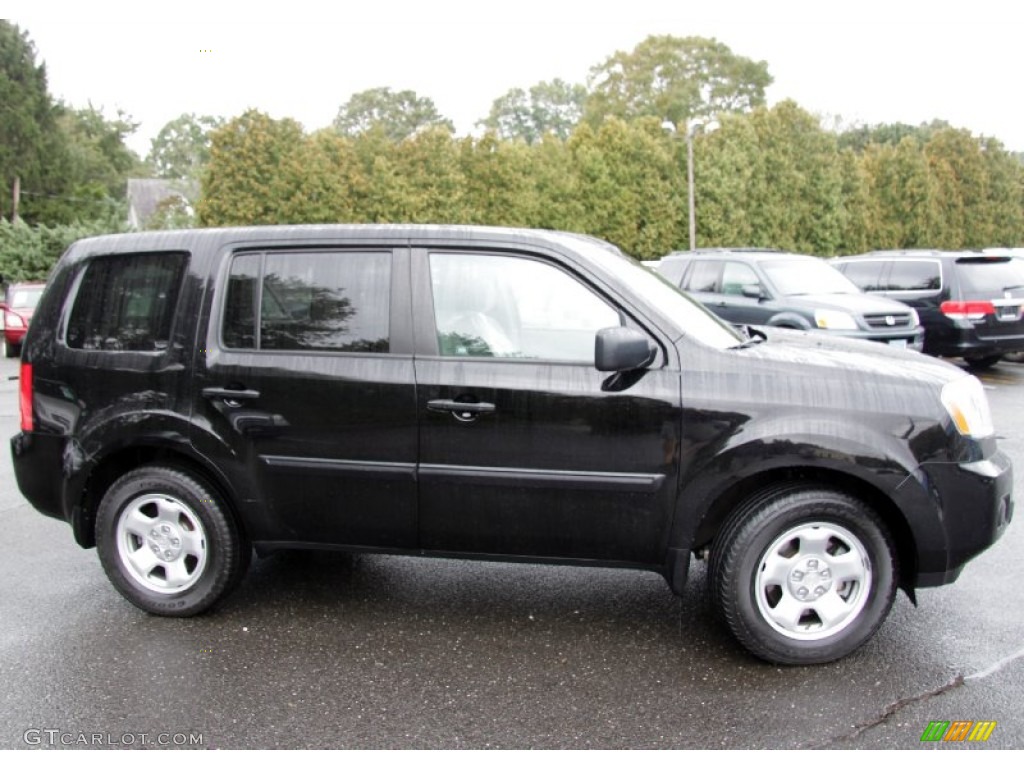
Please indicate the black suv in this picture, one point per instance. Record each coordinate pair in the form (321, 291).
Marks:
(971, 303)
(187, 397)
(748, 286)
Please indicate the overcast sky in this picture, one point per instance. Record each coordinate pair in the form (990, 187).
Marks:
(865, 61)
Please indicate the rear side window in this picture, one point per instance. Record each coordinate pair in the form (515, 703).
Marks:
(126, 303)
(914, 276)
(703, 278)
(321, 301)
(672, 270)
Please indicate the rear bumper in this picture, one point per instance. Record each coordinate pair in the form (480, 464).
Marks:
(35, 457)
(977, 507)
(967, 342)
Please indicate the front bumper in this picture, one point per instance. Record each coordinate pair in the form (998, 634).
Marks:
(975, 501)
(907, 338)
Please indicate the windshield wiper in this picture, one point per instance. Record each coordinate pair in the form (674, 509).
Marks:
(754, 337)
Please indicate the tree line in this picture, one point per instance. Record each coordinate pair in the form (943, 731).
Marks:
(770, 177)
(592, 157)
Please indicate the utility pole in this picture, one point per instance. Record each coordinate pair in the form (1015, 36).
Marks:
(15, 199)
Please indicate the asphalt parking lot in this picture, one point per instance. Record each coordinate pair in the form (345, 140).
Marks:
(324, 650)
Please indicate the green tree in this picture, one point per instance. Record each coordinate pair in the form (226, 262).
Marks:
(400, 114)
(182, 147)
(903, 210)
(499, 183)
(675, 79)
(256, 168)
(860, 137)
(629, 184)
(28, 129)
(550, 107)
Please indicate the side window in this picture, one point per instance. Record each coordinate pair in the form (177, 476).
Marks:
(737, 275)
(503, 306)
(703, 278)
(914, 276)
(866, 275)
(672, 270)
(330, 301)
(126, 303)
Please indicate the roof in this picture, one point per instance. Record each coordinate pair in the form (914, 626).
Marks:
(327, 234)
(747, 254)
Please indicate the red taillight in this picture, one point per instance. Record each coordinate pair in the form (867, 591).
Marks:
(967, 310)
(25, 397)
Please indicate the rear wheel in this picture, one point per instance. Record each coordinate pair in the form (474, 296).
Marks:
(12, 350)
(803, 574)
(167, 543)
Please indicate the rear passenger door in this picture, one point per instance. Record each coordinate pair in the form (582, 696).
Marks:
(307, 385)
(526, 449)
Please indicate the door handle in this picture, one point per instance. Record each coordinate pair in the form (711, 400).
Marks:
(232, 397)
(461, 411)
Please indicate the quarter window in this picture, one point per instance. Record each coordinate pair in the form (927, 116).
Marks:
(126, 303)
(326, 301)
(503, 306)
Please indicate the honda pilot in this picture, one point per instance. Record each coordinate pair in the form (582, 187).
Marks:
(188, 398)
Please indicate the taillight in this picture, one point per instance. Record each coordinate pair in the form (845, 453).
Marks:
(967, 310)
(25, 397)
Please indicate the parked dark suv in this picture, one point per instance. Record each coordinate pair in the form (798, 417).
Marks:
(971, 303)
(749, 286)
(489, 393)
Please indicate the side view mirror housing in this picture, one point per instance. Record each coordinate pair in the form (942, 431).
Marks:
(622, 349)
(753, 291)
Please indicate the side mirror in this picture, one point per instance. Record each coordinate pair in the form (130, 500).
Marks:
(622, 349)
(753, 291)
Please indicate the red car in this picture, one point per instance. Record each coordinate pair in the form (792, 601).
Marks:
(19, 303)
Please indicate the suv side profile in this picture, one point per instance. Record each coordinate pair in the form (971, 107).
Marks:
(971, 303)
(187, 397)
(748, 286)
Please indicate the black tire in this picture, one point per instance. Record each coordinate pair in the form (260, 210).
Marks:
(771, 573)
(190, 559)
(982, 363)
(12, 350)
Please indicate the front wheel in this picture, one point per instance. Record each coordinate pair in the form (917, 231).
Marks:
(803, 575)
(167, 543)
(982, 363)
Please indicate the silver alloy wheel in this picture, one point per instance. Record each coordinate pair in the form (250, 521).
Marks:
(161, 543)
(813, 581)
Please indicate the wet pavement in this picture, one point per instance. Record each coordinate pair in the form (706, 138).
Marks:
(325, 650)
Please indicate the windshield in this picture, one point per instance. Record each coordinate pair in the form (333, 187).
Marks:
(26, 297)
(692, 318)
(799, 277)
(984, 278)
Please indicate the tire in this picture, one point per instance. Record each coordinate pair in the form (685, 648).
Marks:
(12, 350)
(982, 363)
(167, 542)
(773, 571)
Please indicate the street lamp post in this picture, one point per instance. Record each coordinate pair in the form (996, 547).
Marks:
(693, 127)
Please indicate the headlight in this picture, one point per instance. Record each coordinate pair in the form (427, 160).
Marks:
(965, 401)
(915, 319)
(834, 320)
